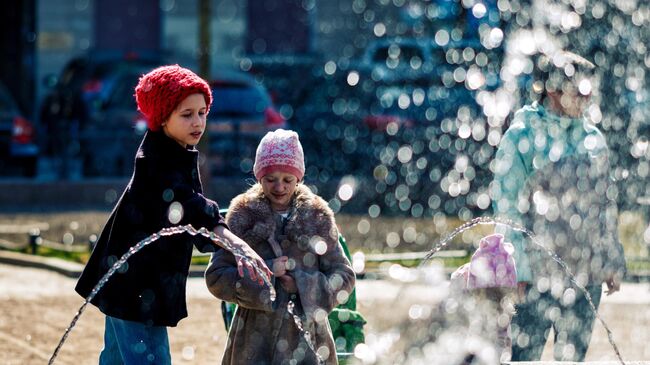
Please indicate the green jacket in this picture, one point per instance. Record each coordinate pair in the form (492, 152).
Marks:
(346, 322)
(551, 176)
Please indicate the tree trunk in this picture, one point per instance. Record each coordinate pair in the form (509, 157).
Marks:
(204, 17)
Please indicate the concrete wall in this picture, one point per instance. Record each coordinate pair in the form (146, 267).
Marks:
(28, 195)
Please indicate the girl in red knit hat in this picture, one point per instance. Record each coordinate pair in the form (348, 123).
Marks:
(147, 294)
(295, 231)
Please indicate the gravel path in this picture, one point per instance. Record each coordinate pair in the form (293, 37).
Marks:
(37, 305)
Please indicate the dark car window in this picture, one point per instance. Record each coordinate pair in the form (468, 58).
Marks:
(405, 53)
(438, 57)
(234, 98)
(122, 95)
(7, 103)
(79, 71)
(73, 73)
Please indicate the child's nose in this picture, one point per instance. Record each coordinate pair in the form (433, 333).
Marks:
(196, 120)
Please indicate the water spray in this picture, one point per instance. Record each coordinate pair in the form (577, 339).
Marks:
(133, 250)
(489, 220)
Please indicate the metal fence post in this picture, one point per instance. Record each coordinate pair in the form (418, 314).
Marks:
(92, 241)
(34, 240)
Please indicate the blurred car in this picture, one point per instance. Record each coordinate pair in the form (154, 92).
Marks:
(401, 58)
(412, 105)
(423, 61)
(404, 130)
(241, 114)
(114, 128)
(287, 78)
(81, 97)
(415, 82)
(18, 148)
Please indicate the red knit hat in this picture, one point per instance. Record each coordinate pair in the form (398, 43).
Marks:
(160, 91)
(279, 150)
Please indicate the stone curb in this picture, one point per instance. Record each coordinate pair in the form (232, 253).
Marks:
(67, 268)
(63, 267)
(73, 270)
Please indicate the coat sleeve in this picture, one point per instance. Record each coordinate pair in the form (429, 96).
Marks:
(333, 282)
(176, 202)
(510, 176)
(609, 253)
(222, 276)
(224, 282)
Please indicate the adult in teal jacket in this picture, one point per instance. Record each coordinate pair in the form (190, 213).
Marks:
(551, 176)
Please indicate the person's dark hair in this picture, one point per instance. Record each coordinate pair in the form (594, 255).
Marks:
(553, 72)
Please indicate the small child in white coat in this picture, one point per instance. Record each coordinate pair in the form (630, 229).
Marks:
(486, 286)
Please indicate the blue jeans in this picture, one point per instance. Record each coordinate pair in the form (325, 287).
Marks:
(133, 343)
(572, 325)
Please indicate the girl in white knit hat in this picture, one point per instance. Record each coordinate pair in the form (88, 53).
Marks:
(294, 231)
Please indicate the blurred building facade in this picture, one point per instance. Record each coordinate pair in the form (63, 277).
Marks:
(40, 37)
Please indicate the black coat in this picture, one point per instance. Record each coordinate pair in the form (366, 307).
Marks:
(150, 287)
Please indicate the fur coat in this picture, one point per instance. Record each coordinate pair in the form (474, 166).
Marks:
(264, 332)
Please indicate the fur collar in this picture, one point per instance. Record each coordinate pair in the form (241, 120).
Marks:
(251, 211)
(253, 199)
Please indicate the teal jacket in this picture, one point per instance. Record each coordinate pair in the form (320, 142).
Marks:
(551, 176)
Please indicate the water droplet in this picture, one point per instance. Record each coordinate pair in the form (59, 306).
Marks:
(188, 353)
(175, 212)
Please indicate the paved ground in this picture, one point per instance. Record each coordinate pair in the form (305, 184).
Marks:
(36, 306)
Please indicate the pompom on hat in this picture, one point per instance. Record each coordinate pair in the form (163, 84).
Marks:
(279, 150)
(491, 266)
(160, 91)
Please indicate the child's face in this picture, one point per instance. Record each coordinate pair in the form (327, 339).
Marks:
(573, 97)
(186, 124)
(279, 187)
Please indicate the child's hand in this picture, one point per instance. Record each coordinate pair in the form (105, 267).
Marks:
(288, 283)
(521, 291)
(252, 259)
(280, 266)
(613, 285)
